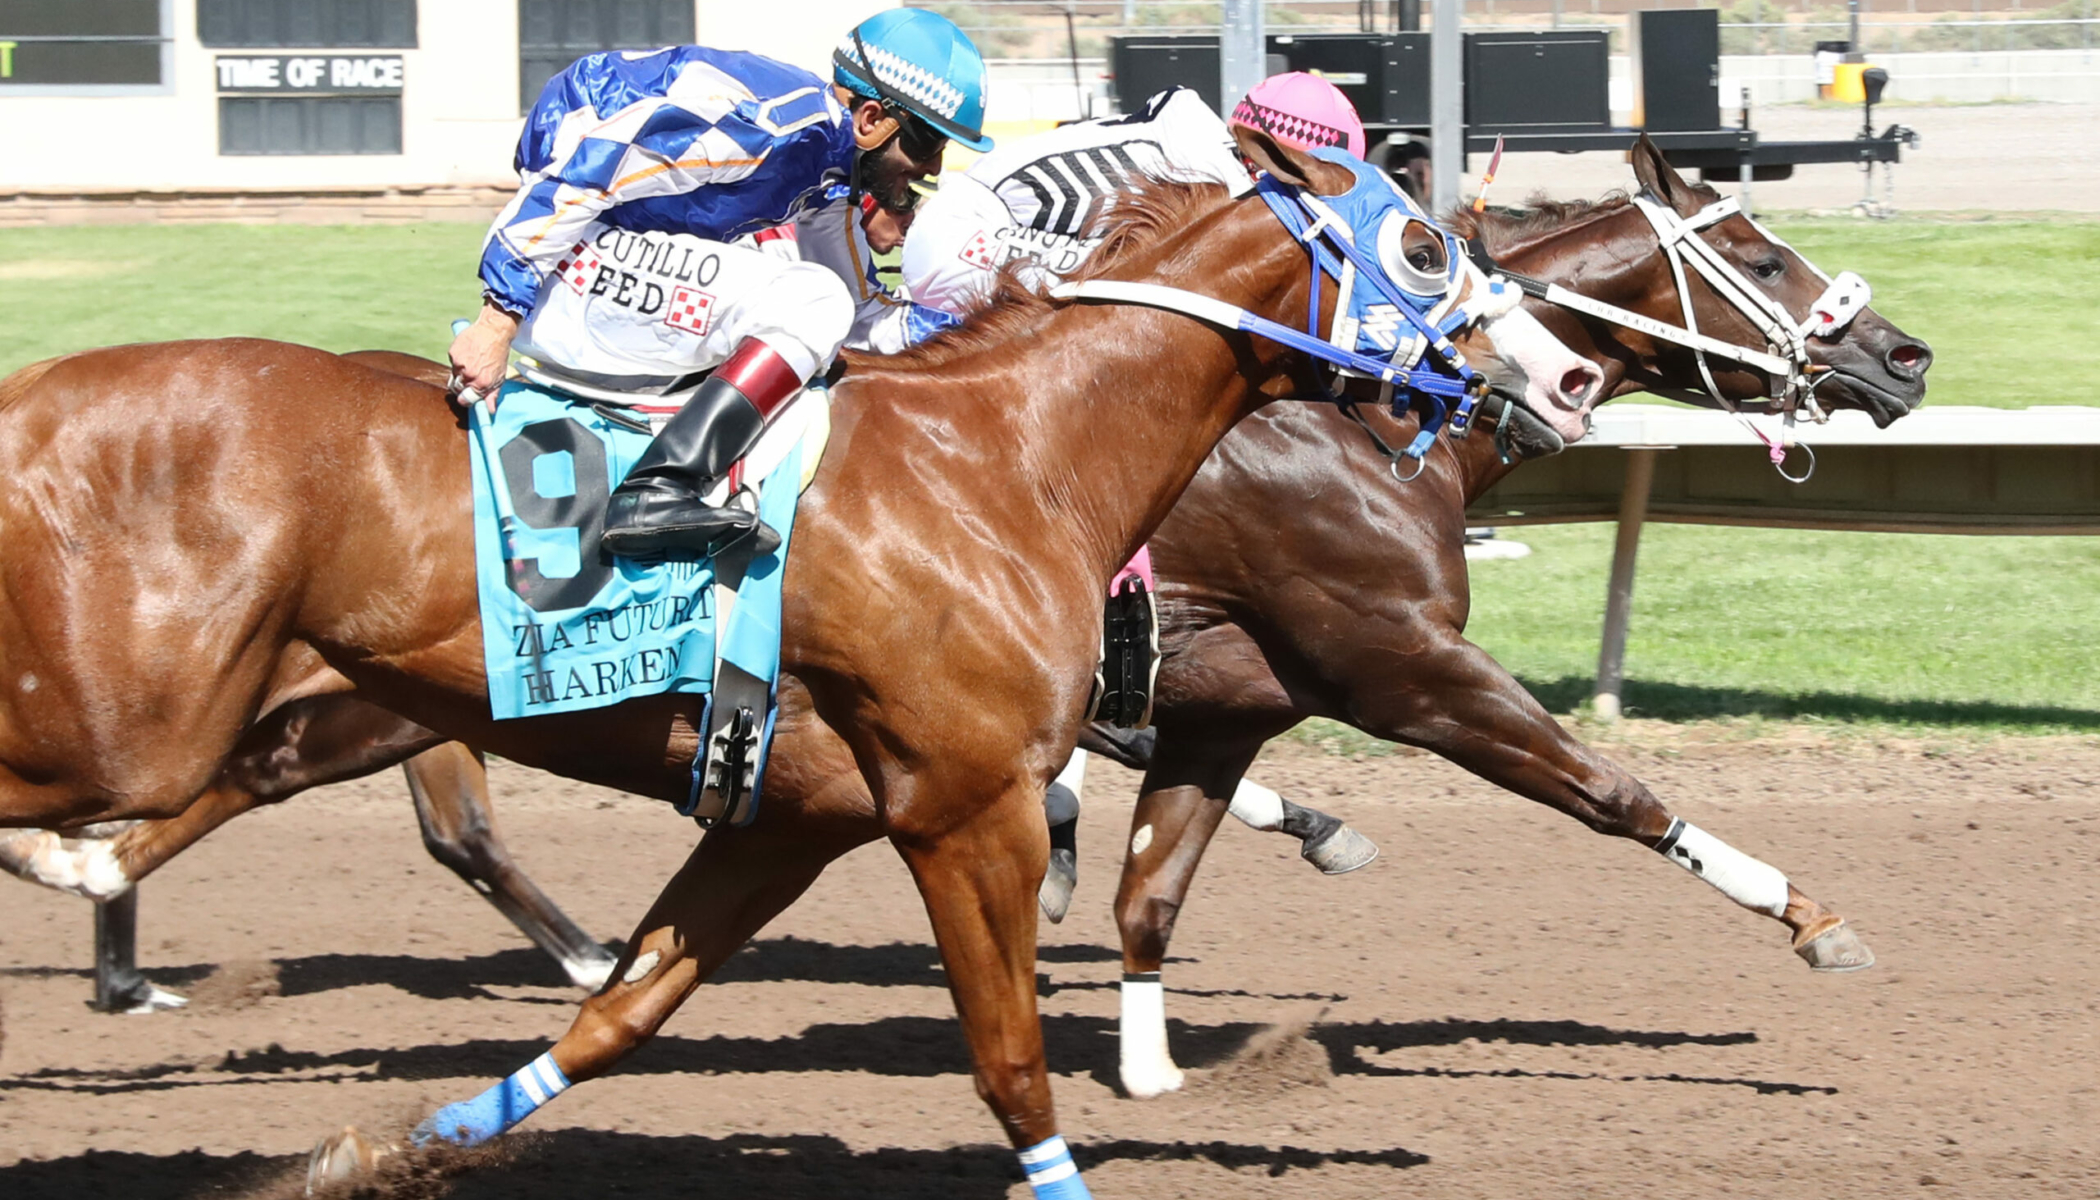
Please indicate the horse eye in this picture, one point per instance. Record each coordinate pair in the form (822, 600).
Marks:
(1769, 268)
(1421, 259)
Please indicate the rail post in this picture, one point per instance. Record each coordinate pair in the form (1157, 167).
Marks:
(1618, 600)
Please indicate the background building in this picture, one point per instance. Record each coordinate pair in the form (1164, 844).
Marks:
(103, 98)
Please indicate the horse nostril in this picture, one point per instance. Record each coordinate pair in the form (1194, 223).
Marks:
(1576, 382)
(1909, 358)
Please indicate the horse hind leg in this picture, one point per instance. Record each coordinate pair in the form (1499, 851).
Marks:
(1327, 842)
(450, 787)
(734, 882)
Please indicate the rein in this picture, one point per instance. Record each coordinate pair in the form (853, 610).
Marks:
(1784, 360)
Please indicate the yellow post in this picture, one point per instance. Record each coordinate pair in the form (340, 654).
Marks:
(1848, 85)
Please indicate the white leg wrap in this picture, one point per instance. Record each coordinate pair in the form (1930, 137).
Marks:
(1061, 800)
(1743, 879)
(1147, 1066)
(1257, 806)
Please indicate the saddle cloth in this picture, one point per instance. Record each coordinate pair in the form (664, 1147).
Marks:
(566, 627)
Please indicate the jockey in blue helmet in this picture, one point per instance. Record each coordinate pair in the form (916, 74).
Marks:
(613, 267)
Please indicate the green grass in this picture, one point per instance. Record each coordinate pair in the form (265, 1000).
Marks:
(1881, 631)
(1862, 631)
(2010, 308)
(337, 287)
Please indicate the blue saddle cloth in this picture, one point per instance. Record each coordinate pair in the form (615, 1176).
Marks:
(566, 627)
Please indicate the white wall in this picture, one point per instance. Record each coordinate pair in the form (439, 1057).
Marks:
(459, 106)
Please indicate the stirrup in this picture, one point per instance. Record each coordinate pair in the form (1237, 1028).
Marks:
(1129, 658)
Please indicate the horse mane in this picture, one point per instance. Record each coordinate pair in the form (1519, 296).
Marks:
(1504, 230)
(1012, 308)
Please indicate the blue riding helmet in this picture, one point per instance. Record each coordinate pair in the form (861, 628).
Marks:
(922, 64)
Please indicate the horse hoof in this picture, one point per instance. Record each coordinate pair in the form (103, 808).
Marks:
(1150, 1080)
(1055, 896)
(349, 1157)
(1836, 949)
(1341, 851)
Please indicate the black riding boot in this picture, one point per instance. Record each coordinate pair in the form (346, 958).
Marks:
(658, 509)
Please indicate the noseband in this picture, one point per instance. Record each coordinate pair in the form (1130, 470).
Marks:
(1784, 360)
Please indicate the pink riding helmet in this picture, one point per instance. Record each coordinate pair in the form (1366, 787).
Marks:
(1304, 111)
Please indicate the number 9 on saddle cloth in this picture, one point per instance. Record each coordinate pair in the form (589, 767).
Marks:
(566, 627)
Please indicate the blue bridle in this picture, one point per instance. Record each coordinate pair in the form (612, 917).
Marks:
(1327, 226)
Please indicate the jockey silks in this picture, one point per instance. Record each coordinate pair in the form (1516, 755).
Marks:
(711, 143)
(1040, 200)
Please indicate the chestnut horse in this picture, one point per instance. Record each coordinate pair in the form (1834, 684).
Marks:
(185, 528)
(1230, 641)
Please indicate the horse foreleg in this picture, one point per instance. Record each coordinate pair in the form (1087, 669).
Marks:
(451, 789)
(979, 880)
(1450, 697)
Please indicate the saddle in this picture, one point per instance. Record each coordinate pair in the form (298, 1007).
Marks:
(567, 628)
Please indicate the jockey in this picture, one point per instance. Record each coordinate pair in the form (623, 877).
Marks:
(615, 265)
(1039, 201)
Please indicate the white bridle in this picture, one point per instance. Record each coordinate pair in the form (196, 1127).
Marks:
(1783, 359)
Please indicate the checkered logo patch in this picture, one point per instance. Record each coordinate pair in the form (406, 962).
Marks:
(691, 310)
(579, 267)
(978, 252)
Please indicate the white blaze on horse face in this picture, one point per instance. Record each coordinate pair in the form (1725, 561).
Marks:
(1146, 1066)
(1561, 385)
(87, 868)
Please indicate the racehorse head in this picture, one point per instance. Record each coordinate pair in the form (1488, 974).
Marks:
(1404, 293)
(1848, 355)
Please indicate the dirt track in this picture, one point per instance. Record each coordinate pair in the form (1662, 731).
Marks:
(1508, 1005)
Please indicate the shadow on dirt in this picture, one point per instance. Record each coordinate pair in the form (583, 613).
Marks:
(1684, 702)
(891, 1046)
(562, 1164)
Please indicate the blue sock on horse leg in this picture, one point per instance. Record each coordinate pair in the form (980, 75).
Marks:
(1052, 1173)
(472, 1122)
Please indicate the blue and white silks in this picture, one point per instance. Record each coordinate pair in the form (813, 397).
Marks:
(566, 628)
(715, 143)
(472, 1122)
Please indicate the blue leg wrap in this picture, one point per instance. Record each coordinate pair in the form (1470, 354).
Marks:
(472, 1122)
(1052, 1173)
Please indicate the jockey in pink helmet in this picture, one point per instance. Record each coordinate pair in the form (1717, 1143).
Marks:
(1302, 110)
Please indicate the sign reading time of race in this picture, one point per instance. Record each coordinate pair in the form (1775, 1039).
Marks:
(362, 74)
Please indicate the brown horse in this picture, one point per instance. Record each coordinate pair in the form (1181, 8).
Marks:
(1360, 616)
(182, 524)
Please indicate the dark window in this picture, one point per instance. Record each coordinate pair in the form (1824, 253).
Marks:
(310, 125)
(316, 24)
(80, 42)
(554, 33)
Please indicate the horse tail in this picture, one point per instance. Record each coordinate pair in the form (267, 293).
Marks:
(17, 385)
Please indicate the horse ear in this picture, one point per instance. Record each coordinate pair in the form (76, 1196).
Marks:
(1657, 176)
(1281, 161)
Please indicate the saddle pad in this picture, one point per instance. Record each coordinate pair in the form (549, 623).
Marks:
(566, 627)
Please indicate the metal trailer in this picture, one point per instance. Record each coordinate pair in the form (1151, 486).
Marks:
(1538, 90)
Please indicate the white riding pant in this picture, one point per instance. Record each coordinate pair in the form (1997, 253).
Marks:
(646, 307)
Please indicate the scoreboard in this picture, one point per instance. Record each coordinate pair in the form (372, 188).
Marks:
(81, 42)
